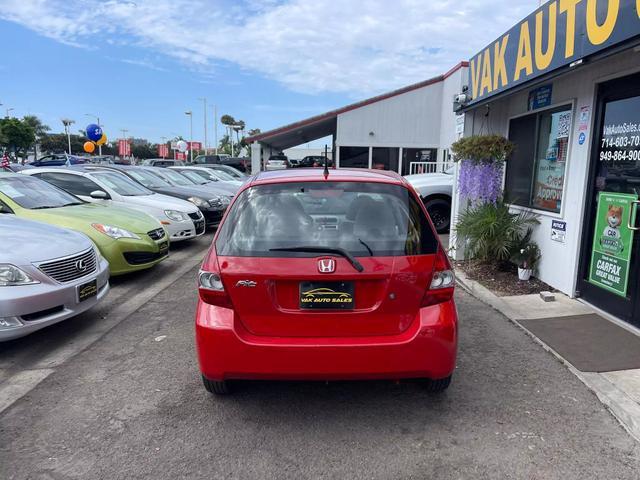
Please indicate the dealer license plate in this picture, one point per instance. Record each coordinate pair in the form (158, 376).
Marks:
(326, 295)
(87, 290)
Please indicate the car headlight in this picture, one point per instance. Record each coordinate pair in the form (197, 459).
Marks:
(199, 202)
(114, 232)
(11, 275)
(176, 215)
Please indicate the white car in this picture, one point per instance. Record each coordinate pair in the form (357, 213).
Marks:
(436, 190)
(113, 188)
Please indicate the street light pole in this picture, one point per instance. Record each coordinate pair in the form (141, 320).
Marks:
(67, 122)
(190, 113)
(215, 128)
(98, 119)
(204, 101)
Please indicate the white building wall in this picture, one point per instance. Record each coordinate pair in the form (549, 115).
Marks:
(411, 119)
(559, 263)
(451, 86)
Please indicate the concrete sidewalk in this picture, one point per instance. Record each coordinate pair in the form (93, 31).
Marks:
(619, 390)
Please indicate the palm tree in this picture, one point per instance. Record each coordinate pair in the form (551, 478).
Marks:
(40, 129)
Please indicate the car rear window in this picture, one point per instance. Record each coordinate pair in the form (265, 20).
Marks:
(364, 218)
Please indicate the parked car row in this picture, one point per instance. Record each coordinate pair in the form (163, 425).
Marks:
(72, 227)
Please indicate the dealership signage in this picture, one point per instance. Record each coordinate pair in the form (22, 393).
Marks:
(555, 35)
(612, 242)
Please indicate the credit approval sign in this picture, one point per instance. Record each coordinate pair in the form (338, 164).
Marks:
(555, 35)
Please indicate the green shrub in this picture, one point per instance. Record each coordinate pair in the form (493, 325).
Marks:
(491, 233)
(482, 149)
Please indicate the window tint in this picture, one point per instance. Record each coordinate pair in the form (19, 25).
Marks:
(174, 177)
(354, 157)
(363, 218)
(76, 184)
(147, 178)
(121, 184)
(34, 193)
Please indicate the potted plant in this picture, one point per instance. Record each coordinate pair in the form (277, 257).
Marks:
(526, 259)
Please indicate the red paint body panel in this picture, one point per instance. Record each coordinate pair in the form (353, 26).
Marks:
(425, 350)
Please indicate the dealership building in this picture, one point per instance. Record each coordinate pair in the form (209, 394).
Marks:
(408, 130)
(564, 86)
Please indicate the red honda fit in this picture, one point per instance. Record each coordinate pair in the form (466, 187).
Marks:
(326, 276)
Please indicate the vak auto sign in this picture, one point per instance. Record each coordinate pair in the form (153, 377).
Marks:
(612, 242)
(557, 34)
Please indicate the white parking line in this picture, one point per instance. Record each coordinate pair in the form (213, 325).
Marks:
(21, 383)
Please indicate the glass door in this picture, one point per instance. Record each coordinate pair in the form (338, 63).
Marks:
(610, 259)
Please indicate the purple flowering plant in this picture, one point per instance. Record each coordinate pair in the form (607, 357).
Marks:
(481, 160)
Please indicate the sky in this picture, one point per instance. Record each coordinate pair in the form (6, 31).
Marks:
(139, 65)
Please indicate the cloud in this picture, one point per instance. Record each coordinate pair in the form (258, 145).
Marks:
(312, 46)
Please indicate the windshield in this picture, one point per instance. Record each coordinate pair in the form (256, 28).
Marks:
(121, 184)
(146, 178)
(199, 176)
(32, 193)
(362, 218)
(175, 178)
(223, 175)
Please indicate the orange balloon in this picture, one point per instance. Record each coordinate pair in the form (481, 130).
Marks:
(89, 147)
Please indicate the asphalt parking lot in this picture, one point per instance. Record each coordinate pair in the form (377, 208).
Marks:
(116, 393)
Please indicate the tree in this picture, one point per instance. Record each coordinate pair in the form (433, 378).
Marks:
(227, 120)
(17, 136)
(39, 129)
(57, 143)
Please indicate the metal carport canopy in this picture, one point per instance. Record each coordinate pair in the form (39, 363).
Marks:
(298, 133)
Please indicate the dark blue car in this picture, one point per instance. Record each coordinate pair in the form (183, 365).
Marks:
(58, 160)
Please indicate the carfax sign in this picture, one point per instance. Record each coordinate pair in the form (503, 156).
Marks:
(555, 35)
(612, 242)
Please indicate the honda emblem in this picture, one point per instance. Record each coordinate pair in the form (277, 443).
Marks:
(326, 265)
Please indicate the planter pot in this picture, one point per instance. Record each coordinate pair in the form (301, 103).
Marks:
(524, 273)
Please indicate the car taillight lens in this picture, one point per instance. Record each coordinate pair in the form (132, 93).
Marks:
(211, 289)
(443, 281)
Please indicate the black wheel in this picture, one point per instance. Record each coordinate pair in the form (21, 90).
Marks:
(439, 210)
(438, 386)
(219, 388)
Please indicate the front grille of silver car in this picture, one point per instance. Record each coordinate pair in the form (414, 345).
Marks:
(70, 268)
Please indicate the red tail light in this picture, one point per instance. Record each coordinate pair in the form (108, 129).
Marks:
(443, 281)
(211, 289)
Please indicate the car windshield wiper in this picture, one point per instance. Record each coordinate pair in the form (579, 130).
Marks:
(313, 249)
(366, 246)
(42, 207)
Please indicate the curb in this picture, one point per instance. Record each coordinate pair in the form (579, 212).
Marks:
(619, 404)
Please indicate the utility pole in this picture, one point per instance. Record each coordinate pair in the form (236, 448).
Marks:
(206, 143)
(190, 113)
(9, 110)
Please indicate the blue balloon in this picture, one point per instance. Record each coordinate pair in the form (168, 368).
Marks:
(94, 132)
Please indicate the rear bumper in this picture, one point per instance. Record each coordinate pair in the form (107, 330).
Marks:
(427, 349)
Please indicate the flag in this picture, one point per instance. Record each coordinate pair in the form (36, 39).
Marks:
(5, 161)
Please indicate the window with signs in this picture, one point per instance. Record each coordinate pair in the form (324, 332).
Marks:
(535, 171)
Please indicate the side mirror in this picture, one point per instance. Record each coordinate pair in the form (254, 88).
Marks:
(99, 195)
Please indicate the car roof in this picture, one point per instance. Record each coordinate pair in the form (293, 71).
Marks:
(335, 174)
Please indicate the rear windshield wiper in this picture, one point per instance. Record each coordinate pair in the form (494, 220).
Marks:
(311, 249)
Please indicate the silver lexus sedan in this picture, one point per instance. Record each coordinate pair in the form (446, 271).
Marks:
(47, 274)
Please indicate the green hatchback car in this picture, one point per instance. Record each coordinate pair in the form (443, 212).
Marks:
(128, 239)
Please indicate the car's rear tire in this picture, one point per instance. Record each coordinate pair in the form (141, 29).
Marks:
(439, 210)
(216, 387)
(437, 386)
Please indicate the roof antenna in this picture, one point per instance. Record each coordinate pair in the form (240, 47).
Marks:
(326, 167)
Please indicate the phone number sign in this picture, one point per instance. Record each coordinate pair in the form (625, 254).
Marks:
(612, 241)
